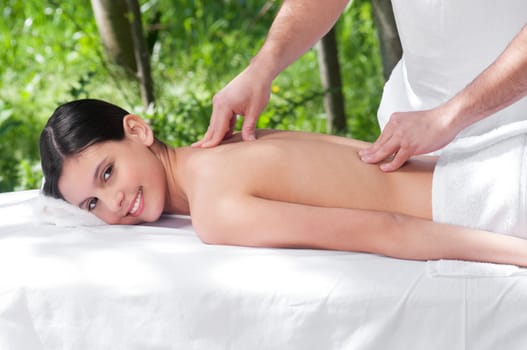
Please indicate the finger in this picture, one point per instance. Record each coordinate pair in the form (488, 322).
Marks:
(210, 130)
(390, 147)
(384, 137)
(400, 158)
(249, 127)
(204, 139)
(232, 125)
(219, 126)
(197, 144)
(208, 135)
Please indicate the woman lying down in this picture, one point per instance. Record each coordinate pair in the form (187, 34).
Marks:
(286, 189)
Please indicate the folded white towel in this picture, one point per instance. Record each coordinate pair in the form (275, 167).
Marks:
(458, 268)
(480, 181)
(48, 210)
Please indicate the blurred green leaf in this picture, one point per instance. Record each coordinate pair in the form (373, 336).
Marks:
(51, 52)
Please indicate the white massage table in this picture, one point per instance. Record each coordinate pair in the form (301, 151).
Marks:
(158, 287)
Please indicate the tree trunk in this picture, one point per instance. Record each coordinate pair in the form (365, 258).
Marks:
(114, 28)
(331, 81)
(121, 30)
(141, 54)
(390, 44)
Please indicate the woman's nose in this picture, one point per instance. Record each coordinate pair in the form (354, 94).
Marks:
(114, 200)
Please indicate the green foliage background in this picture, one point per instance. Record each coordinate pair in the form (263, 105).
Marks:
(50, 52)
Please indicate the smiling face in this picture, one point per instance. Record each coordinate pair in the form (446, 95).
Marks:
(121, 182)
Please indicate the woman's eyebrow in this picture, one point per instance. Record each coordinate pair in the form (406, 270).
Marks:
(98, 169)
(95, 177)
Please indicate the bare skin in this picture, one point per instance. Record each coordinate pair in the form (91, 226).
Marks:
(286, 189)
(297, 27)
(312, 169)
(306, 190)
(417, 132)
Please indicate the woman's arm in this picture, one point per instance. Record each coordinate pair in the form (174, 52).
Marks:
(252, 221)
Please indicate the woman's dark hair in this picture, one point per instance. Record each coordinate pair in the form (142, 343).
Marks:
(72, 128)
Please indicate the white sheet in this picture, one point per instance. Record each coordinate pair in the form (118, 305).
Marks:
(159, 287)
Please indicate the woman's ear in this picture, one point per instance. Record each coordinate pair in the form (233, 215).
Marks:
(138, 129)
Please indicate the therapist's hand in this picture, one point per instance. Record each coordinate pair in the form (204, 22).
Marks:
(246, 95)
(408, 134)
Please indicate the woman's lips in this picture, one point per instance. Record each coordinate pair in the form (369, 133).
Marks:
(137, 205)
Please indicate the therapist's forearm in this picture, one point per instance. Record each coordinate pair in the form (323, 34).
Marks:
(501, 84)
(298, 25)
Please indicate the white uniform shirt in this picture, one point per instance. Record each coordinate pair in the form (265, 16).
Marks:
(446, 44)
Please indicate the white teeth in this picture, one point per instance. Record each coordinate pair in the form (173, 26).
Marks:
(136, 204)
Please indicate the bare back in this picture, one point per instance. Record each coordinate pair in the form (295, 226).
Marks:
(301, 190)
(310, 169)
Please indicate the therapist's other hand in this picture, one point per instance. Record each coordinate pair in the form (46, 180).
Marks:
(246, 95)
(408, 134)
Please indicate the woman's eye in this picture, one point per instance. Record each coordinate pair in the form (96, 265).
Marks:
(107, 173)
(92, 203)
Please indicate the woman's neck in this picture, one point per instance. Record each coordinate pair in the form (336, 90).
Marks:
(176, 201)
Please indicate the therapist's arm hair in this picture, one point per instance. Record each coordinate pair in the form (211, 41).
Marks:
(501, 84)
(266, 223)
(417, 132)
(298, 25)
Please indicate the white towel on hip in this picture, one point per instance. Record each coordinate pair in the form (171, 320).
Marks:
(480, 181)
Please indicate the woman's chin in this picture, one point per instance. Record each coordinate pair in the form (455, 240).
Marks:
(151, 217)
(133, 220)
